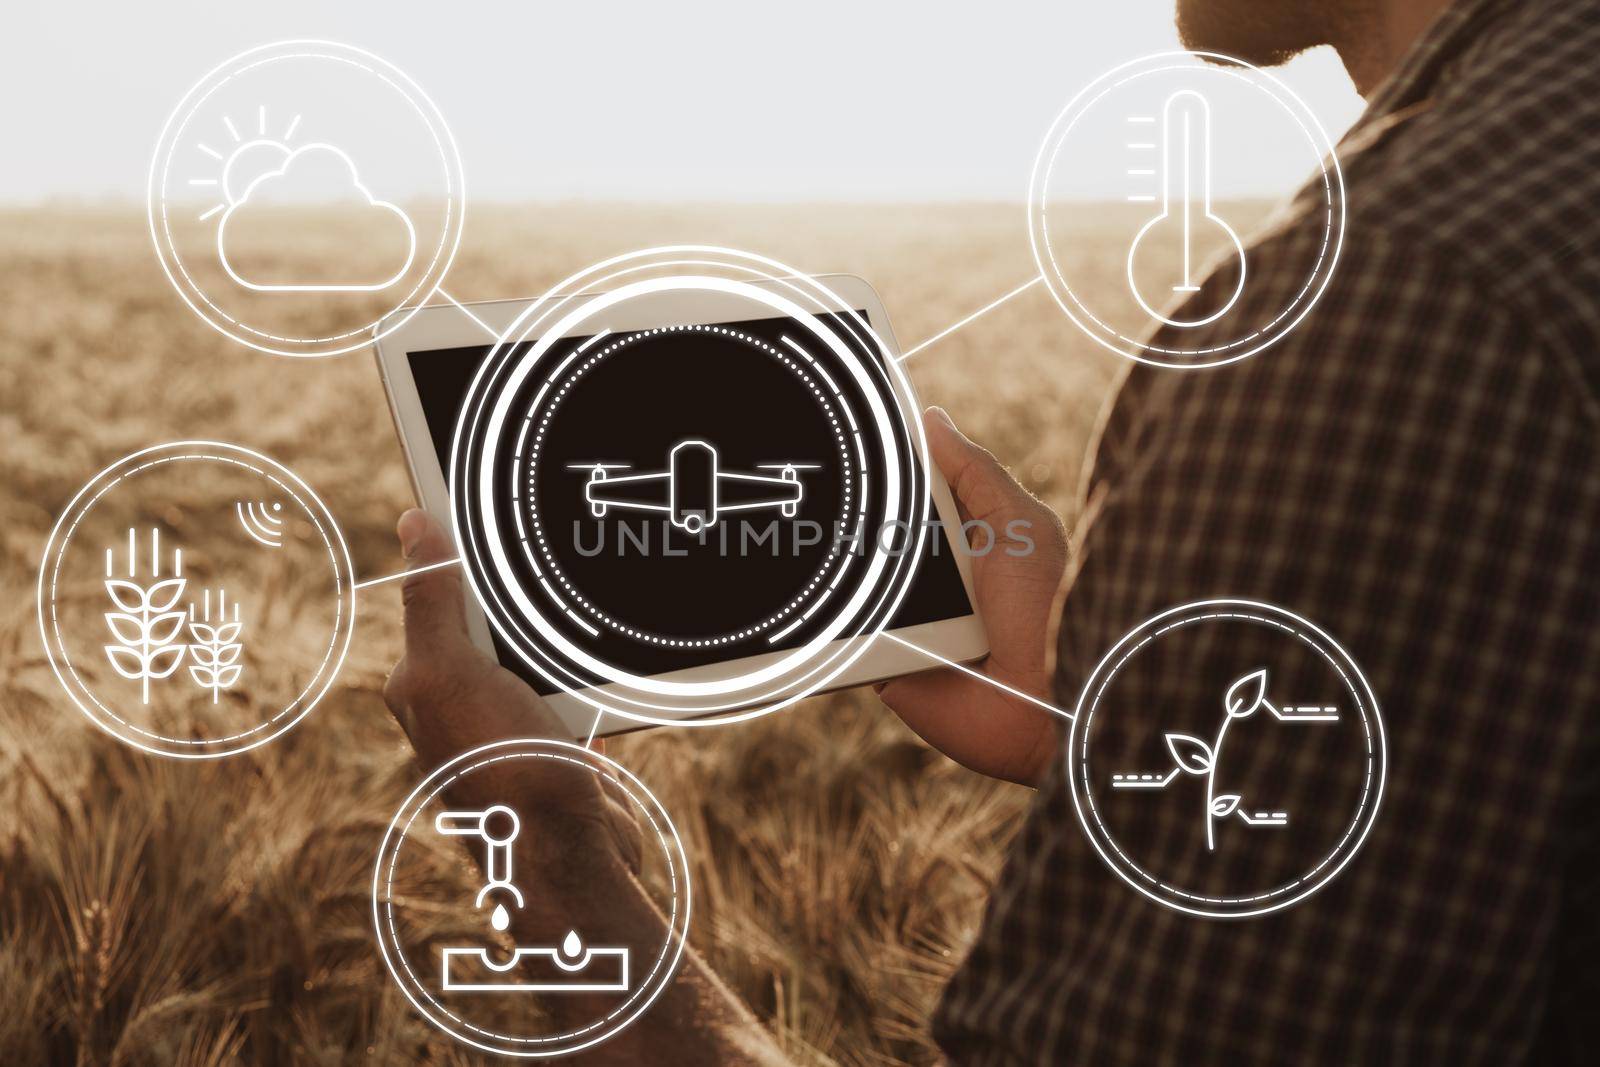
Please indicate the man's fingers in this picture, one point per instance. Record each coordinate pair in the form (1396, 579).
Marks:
(944, 706)
(435, 612)
(981, 483)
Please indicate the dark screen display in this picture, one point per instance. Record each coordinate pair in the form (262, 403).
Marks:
(634, 429)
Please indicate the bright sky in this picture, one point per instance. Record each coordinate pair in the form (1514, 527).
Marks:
(645, 100)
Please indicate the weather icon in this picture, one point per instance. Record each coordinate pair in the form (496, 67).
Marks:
(305, 197)
(262, 179)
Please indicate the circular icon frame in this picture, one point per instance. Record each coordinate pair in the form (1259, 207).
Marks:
(1077, 307)
(1150, 884)
(320, 680)
(428, 282)
(665, 834)
(828, 321)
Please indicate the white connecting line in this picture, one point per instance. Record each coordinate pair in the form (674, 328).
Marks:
(947, 331)
(408, 573)
(901, 358)
(980, 677)
(468, 313)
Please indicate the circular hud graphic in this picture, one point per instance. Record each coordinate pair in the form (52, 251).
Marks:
(639, 503)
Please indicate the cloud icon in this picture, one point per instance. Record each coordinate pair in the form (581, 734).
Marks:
(320, 173)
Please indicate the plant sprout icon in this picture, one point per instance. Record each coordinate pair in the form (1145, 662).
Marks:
(146, 625)
(1246, 696)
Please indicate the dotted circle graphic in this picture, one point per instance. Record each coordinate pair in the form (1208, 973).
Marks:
(758, 684)
(657, 829)
(341, 582)
(1151, 884)
(532, 464)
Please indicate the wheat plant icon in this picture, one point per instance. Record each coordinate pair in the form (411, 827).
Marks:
(214, 653)
(145, 629)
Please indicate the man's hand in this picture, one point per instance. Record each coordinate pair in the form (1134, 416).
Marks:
(976, 724)
(450, 698)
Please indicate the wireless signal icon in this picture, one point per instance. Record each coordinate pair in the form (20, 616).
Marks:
(261, 521)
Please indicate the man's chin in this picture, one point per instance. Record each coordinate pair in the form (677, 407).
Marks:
(1262, 34)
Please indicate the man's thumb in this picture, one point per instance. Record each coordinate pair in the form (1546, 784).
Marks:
(434, 609)
(981, 483)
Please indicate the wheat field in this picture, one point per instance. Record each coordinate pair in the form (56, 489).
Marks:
(156, 911)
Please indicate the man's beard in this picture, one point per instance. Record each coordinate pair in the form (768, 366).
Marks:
(1263, 32)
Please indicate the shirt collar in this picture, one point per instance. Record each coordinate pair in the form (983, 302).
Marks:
(1433, 59)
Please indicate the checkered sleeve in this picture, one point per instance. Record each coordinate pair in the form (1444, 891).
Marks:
(1413, 471)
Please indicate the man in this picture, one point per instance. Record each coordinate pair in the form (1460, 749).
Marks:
(1414, 467)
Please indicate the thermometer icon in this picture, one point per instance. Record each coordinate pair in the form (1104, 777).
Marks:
(1161, 258)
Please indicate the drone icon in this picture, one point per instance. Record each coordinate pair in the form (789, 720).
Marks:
(693, 491)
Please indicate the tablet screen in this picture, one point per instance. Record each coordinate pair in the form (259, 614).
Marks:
(747, 432)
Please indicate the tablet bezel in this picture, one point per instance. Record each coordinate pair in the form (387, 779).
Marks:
(441, 326)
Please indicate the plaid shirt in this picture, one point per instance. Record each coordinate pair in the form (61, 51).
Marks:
(1413, 469)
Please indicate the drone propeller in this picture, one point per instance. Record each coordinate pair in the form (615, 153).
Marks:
(598, 466)
(789, 466)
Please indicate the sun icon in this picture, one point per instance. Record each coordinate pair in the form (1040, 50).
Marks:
(247, 161)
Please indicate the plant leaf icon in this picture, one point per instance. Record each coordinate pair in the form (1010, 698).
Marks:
(164, 629)
(1245, 695)
(163, 595)
(1192, 754)
(125, 628)
(163, 661)
(1223, 806)
(126, 662)
(129, 596)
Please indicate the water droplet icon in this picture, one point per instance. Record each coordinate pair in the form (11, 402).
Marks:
(501, 918)
(572, 945)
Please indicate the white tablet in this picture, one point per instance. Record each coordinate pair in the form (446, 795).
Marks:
(428, 365)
